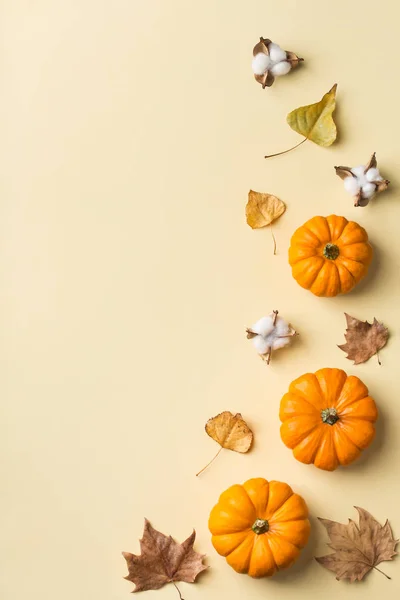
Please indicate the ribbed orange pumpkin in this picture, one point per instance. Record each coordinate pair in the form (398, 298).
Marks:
(329, 256)
(259, 526)
(327, 418)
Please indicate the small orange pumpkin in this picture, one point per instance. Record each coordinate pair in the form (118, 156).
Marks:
(259, 526)
(327, 418)
(329, 256)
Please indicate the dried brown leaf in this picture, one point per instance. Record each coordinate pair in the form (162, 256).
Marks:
(358, 548)
(162, 560)
(363, 339)
(263, 209)
(230, 432)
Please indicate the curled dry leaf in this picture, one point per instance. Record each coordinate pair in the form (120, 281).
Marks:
(162, 560)
(230, 432)
(270, 333)
(363, 339)
(270, 61)
(357, 549)
(363, 182)
(262, 210)
(314, 121)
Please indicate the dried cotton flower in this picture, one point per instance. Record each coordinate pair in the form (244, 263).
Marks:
(270, 333)
(270, 61)
(363, 182)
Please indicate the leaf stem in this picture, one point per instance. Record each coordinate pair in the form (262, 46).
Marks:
(380, 364)
(285, 151)
(387, 576)
(274, 240)
(179, 591)
(208, 464)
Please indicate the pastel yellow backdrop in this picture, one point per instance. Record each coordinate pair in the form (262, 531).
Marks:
(132, 132)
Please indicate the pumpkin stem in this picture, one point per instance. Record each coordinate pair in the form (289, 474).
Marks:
(331, 251)
(260, 526)
(329, 416)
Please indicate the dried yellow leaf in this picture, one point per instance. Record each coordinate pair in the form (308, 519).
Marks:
(315, 121)
(230, 431)
(263, 209)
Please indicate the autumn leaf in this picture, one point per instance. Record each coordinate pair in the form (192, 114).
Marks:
(263, 209)
(230, 432)
(314, 122)
(363, 339)
(162, 560)
(358, 549)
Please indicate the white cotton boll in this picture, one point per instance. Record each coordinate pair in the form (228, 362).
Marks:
(373, 175)
(368, 190)
(351, 185)
(281, 343)
(276, 53)
(264, 326)
(281, 68)
(260, 63)
(281, 327)
(359, 171)
(271, 333)
(261, 344)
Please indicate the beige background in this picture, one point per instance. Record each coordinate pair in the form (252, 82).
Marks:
(132, 132)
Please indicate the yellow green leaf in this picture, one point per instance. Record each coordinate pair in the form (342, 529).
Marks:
(315, 121)
(263, 209)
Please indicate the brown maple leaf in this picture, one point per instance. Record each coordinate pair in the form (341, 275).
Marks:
(358, 549)
(230, 432)
(162, 560)
(363, 339)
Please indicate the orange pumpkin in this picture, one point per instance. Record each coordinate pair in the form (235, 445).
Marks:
(327, 418)
(259, 526)
(329, 256)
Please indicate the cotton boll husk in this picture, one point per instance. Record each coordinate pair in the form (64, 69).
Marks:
(276, 53)
(261, 344)
(281, 68)
(368, 190)
(351, 185)
(261, 63)
(264, 326)
(372, 174)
